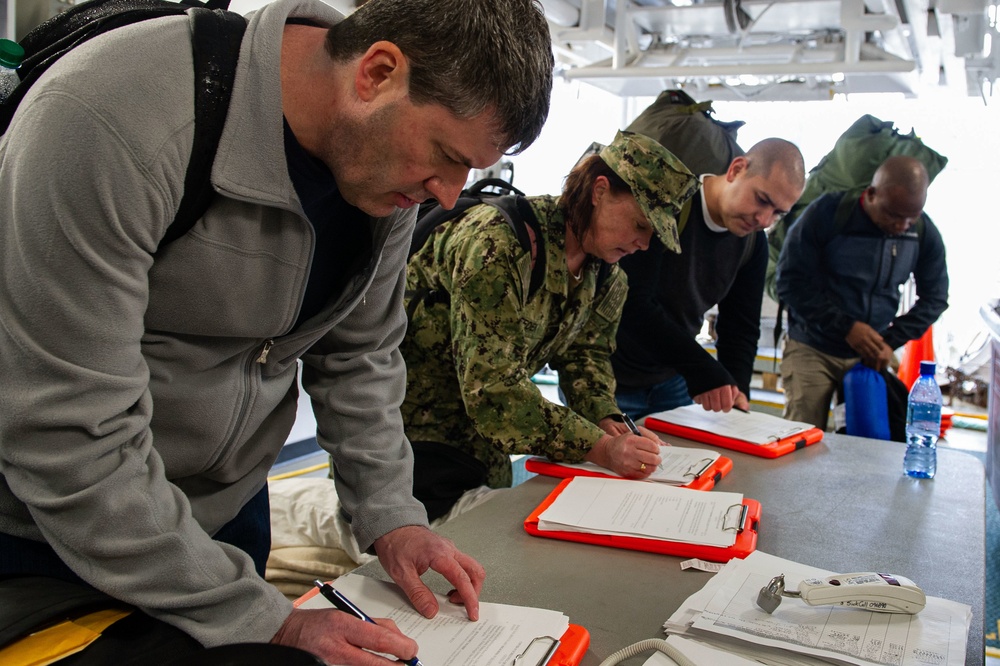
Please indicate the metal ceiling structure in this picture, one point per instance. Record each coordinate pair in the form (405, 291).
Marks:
(745, 49)
(777, 50)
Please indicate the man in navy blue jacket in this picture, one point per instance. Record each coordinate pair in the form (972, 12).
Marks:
(840, 273)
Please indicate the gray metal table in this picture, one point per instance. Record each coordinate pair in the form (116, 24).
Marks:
(842, 505)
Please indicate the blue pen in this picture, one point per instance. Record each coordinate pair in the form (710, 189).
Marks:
(344, 604)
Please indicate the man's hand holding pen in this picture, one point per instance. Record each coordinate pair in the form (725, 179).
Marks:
(629, 451)
(340, 638)
(351, 637)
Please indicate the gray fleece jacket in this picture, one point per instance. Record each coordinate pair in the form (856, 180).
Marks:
(138, 411)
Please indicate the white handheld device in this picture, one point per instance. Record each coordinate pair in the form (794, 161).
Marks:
(879, 592)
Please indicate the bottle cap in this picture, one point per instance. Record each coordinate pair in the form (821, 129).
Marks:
(11, 54)
(927, 368)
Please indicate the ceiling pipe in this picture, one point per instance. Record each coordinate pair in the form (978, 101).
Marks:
(750, 69)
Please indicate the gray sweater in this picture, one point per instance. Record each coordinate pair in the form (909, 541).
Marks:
(136, 414)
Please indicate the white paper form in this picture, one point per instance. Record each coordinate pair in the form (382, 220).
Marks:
(755, 427)
(450, 639)
(651, 510)
(699, 653)
(937, 635)
(680, 465)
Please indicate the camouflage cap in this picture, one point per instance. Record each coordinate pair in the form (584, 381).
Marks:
(659, 181)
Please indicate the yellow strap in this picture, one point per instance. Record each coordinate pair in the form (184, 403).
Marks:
(60, 640)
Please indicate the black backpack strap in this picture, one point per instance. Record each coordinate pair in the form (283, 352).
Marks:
(49, 41)
(430, 215)
(215, 44)
(845, 208)
(778, 329)
(519, 215)
(516, 212)
(748, 249)
(496, 183)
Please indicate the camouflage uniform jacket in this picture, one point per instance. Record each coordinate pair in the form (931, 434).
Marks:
(470, 362)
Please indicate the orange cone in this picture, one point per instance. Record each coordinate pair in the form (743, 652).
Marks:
(915, 351)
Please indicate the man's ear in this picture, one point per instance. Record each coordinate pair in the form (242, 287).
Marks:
(382, 70)
(736, 167)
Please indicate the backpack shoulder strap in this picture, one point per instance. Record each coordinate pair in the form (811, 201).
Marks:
(217, 36)
(519, 215)
(514, 208)
(919, 226)
(844, 209)
(430, 213)
(45, 44)
(748, 249)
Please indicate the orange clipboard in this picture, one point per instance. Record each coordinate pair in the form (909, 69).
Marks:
(770, 450)
(705, 480)
(746, 537)
(572, 646)
(569, 652)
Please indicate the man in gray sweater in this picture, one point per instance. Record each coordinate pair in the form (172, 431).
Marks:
(147, 393)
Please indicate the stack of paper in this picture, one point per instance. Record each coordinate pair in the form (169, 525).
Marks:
(624, 508)
(724, 614)
(698, 653)
(450, 639)
(679, 465)
(754, 428)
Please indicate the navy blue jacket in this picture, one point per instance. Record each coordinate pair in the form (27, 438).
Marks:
(831, 275)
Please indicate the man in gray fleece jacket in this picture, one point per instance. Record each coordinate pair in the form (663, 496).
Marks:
(146, 394)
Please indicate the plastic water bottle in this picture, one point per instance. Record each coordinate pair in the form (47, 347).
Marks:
(923, 424)
(11, 55)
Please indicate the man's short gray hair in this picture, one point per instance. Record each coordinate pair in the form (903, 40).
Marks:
(470, 56)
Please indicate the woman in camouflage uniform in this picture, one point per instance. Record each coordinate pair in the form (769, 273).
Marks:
(470, 357)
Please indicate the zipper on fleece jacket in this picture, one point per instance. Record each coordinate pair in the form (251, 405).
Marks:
(878, 278)
(892, 264)
(249, 371)
(262, 359)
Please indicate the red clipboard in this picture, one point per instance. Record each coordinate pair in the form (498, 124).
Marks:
(770, 450)
(705, 480)
(572, 645)
(746, 538)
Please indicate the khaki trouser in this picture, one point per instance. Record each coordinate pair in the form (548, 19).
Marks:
(810, 378)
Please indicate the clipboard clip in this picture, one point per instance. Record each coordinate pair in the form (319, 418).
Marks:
(701, 466)
(735, 518)
(782, 434)
(544, 644)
